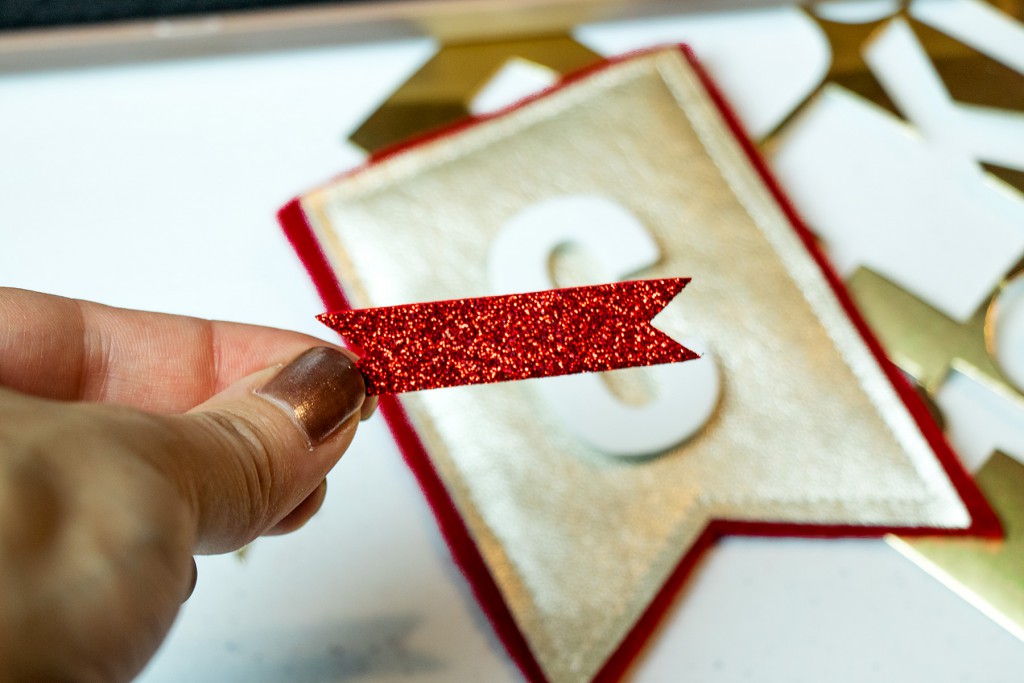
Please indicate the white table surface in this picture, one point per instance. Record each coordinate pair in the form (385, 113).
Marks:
(154, 186)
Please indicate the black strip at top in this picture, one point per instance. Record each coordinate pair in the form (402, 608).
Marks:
(24, 14)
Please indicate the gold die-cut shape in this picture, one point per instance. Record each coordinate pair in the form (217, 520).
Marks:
(973, 78)
(441, 91)
(1010, 176)
(848, 69)
(923, 341)
(969, 76)
(987, 573)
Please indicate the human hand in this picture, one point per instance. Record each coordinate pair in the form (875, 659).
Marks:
(130, 441)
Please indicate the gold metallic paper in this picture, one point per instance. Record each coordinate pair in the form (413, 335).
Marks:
(970, 76)
(808, 429)
(441, 91)
(923, 341)
(920, 339)
(989, 574)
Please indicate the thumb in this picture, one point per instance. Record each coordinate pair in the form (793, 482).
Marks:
(249, 455)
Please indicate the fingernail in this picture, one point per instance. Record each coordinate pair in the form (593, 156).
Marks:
(321, 389)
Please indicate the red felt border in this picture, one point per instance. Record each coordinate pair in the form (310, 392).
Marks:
(467, 556)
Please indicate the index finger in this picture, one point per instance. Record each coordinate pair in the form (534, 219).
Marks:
(66, 349)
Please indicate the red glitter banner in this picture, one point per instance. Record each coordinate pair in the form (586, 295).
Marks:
(518, 336)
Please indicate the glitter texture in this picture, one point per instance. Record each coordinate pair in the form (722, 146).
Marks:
(502, 338)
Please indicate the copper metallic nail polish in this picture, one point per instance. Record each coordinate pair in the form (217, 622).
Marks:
(321, 389)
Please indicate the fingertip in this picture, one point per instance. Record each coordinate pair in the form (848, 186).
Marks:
(369, 408)
(262, 445)
(192, 581)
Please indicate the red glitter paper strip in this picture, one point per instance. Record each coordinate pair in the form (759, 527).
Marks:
(518, 336)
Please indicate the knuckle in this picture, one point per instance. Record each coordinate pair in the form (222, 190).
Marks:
(251, 456)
